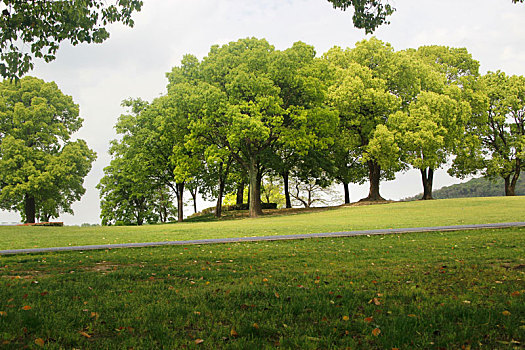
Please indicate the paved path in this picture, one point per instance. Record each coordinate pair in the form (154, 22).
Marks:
(269, 238)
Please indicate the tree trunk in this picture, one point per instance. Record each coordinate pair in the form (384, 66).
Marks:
(347, 192)
(427, 176)
(240, 193)
(194, 197)
(255, 189)
(180, 201)
(30, 209)
(218, 206)
(510, 184)
(374, 176)
(286, 189)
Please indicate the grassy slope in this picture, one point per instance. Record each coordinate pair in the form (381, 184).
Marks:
(448, 290)
(394, 215)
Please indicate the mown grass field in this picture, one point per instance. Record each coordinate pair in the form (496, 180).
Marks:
(394, 215)
(453, 290)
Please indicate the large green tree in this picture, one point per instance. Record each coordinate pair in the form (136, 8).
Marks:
(371, 83)
(432, 123)
(257, 117)
(129, 194)
(41, 169)
(41, 25)
(498, 149)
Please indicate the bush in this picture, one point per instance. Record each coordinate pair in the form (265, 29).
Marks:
(43, 224)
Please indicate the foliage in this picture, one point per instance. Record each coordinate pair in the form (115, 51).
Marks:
(42, 170)
(141, 179)
(365, 93)
(43, 25)
(255, 101)
(368, 14)
(272, 192)
(498, 146)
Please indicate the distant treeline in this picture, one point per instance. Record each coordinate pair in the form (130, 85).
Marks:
(478, 187)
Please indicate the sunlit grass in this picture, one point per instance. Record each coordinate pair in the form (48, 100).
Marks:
(394, 215)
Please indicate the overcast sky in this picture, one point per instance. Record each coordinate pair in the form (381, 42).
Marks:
(133, 62)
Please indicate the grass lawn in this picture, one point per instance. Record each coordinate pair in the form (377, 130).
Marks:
(452, 290)
(394, 215)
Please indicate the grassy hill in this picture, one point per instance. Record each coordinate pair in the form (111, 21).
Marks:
(357, 217)
(478, 187)
(441, 290)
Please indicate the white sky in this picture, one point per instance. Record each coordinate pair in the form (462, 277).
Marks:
(133, 62)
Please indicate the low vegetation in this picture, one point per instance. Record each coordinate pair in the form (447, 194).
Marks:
(361, 217)
(453, 290)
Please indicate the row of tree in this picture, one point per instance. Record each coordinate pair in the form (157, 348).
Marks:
(247, 110)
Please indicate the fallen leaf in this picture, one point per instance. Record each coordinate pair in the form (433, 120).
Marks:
(376, 332)
(369, 319)
(256, 326)
(411, 315)
(199, 341)
(94, 315)
(506, 313)
(40, 342)
(27, 307)
(3, 313)
(265, 279)
(233, 333)
(277, 295)
(84, 334)
(346, 318)
(375, 301)
(515, 294)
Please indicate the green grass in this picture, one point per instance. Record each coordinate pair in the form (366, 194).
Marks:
(447, 290)
(394, 215)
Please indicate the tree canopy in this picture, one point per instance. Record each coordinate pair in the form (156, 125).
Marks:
(250, 114)
(43, 25)
(41, 168)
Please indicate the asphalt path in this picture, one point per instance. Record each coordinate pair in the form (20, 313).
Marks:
(387, 231)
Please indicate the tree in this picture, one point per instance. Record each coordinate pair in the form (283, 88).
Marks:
(370, 14)
(366, 93)
(41, 169)
(204, 105)
(498, 149)
(43, 25)
(310, 192)
(428, 132)
(254, 120)
(128, 198)
(430, 127)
